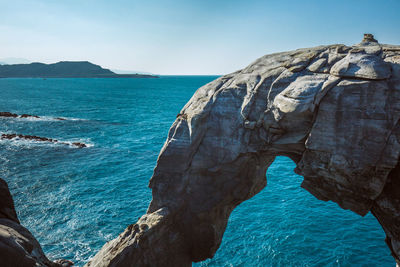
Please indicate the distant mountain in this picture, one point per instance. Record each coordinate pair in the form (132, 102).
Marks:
(131, 72)
(63, 69)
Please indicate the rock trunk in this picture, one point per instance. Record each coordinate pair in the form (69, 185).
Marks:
(334, 110)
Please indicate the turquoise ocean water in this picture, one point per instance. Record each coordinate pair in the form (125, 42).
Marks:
(74, 200)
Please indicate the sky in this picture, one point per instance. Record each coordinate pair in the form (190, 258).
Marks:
(185, 37)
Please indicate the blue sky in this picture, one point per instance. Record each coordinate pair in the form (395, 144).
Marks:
(185, 37)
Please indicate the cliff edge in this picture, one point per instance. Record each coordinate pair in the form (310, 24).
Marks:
(334, 110)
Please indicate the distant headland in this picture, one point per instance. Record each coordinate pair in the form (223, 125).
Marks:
(63, 69)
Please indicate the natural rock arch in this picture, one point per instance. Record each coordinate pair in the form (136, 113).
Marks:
(334, 110)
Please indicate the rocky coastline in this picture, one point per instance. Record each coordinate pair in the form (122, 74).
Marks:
(14, 136)
(18, 247)
(334, 110)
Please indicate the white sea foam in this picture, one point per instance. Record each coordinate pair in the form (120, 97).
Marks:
(43, 118)
(70, 143)
(27, 143)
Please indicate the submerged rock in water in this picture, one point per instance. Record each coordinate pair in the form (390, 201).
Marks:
(29, 116)
(8, 115)
(13, 115)
(18, 247)
(24, 116)
(80, 145)
(38, 138)
(334, 110)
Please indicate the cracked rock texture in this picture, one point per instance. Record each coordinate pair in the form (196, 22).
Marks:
(334, 110)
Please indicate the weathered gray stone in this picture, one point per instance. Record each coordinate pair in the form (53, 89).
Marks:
(359, 65)
(334, 110)
(317, 64)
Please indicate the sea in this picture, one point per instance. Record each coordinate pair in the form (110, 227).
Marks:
(74, 200)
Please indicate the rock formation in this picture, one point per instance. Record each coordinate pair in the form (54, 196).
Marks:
(8, 115)
(18, 247)
(40, 139)
(29, 116)
(334, 110)
(13, 115)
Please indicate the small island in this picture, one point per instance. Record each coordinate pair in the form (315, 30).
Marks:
(63, 69)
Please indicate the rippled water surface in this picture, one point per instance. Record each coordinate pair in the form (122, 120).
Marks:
(74, 200)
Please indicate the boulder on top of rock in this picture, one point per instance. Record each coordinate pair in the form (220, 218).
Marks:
(362, 65)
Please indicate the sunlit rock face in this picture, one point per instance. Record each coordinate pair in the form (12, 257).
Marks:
(334, 110)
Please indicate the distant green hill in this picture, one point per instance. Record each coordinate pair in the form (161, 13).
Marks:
(63, 69)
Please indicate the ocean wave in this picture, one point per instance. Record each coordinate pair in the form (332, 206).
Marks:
(44, 118)
(23, 141)
(49, 118)
(27, 117)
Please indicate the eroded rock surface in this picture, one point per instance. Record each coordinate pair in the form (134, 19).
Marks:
(334, 110)
(18, 247)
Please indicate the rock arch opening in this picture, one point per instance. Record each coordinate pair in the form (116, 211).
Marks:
(334, 110)
(284, 225)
